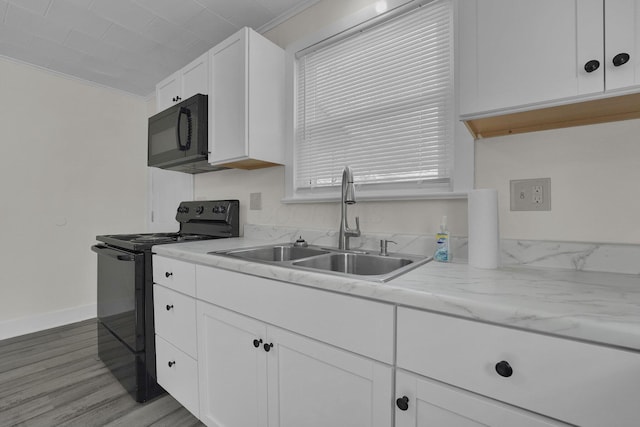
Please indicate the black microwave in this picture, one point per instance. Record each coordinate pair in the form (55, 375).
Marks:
(178, 137)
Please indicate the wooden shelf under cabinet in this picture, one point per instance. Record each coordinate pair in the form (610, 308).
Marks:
(603, 110)
(249, 164)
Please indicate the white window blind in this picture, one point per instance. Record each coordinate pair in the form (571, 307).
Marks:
(380, 101)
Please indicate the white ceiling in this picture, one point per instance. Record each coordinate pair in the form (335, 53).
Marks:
(128, 44)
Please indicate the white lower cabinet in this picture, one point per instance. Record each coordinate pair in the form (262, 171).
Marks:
(426, 403)
(175, 326)
(264, 353)
(178, 373)
(578, 383)
(254, 374)
(317, 385)
(233, 383)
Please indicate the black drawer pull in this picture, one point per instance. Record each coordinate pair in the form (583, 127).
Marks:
(621, 59)
(171, 363)
(169, 307)
(403, 403)
(167, 274)
(592, 65)
(504, 369)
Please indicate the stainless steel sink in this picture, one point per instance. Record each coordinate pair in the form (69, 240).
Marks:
(277, 253)
(360, 264)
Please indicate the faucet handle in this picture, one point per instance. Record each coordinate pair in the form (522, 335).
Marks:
(383, 246)
(358, 224)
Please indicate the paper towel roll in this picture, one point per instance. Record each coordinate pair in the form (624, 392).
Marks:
(484, 238)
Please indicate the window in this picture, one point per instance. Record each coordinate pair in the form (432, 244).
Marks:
(381, 100)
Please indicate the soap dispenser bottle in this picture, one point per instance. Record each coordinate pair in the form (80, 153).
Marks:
(442, 243)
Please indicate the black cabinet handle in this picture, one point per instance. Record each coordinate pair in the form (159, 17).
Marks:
(169, 307)
(504, 369)
(403, 403)
(592, 65)
(621, 59)
(167, 274)
(171, 363)
(267, 347)
(256, 343)
(178, 98)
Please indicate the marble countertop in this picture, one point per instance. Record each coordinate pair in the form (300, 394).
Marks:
(597, 307)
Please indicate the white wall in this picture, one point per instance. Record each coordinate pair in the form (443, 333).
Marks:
(595, 181)
(72, 165)
(420, 216)
(594, 170)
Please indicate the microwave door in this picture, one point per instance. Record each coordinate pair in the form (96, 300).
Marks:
(163, 144)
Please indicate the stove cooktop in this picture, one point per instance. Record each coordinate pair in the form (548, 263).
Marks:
(145, 241)
(198, 220)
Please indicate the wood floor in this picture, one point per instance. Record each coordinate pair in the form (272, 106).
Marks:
(54, 378)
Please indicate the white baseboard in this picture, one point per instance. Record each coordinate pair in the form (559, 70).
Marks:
(26, 325)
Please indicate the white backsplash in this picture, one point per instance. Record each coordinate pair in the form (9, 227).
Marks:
(597, 257)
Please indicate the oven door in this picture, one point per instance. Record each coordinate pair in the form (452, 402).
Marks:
(121, 294)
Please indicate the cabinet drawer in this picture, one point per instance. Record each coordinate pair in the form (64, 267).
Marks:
(178, 374)
(431, 403)
(175, 318)
(362, 326)
(174, 274)
(579, 383)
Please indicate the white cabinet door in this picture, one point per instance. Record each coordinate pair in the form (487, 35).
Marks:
(167, 91)
(246, 115)
(195, 77)
(312, 384)
(522, 52)
(228, 108)
(622, 36)
(232, 371)
(190, 80)
(425, 403)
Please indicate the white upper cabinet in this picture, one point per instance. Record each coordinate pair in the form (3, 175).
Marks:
(622, 42)
(519, 54)
(190, 80)
(246, 109)
(166, 92)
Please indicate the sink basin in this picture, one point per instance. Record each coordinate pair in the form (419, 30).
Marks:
(358, 264)
(277, 253)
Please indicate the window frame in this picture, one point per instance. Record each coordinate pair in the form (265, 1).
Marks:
(462, 147)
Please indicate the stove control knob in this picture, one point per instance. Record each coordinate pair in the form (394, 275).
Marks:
(223, 209)
(199, 210)
(216, 209)
(183, 209)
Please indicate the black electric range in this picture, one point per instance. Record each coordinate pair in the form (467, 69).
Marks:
(126, 333)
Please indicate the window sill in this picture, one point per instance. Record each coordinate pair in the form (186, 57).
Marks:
(333, 198)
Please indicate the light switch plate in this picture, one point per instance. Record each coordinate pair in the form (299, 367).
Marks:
(531, 194)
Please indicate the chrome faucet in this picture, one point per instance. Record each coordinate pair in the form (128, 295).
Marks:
(348, 198)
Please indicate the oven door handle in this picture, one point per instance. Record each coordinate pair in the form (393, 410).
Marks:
(105, 250)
